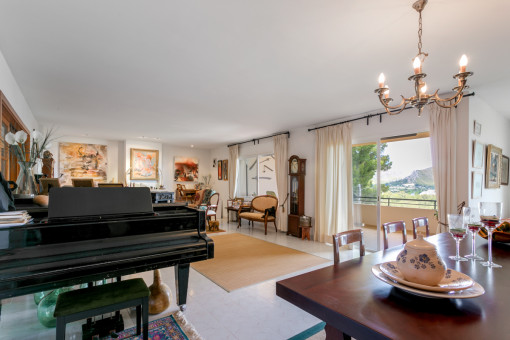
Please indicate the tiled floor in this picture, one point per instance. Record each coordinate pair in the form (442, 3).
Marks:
(253, 312)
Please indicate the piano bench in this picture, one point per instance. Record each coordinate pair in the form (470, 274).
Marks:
(88, 302)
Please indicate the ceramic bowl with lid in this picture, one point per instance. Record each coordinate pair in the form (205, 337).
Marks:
(419, 262)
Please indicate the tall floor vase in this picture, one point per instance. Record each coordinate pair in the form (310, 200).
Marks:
(160, 297)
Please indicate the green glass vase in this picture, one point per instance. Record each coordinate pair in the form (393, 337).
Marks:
(39, 296)
(46, 308)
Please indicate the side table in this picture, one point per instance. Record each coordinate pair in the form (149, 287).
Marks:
(305, 232)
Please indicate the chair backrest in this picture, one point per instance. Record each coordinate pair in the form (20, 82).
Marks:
(391, 227)
(199, 197)
(214, 199)
(110, 185)
(420, 222)
(47, 184)
(83, 182)
(261, 203)
(347, 237)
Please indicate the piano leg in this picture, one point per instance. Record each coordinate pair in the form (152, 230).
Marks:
(181, 284)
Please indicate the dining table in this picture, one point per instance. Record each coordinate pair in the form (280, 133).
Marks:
(352, 301)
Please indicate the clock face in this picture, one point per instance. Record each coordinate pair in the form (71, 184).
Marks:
(294, 166)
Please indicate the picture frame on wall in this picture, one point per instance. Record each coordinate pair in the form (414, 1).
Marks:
(476, 184)
(493, 167)
(477, 155)
(504, 170)
(220, 168)
(225, 170)
(144, 164)
(477, 128)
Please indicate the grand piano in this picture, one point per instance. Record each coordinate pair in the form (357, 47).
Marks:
(90, 234)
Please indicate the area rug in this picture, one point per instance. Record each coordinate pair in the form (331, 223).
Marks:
(173, 327)
(241, 261)
(215, 231)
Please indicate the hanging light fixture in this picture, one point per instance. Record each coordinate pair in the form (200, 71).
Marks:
(421, 98)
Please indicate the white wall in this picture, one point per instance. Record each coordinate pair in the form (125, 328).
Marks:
(12, 92)
(495, 130)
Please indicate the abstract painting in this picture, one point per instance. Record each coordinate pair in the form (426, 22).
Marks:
(186, 169)
(77, 160)
(144, 164)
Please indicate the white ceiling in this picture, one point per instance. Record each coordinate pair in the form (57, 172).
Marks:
(212, 72)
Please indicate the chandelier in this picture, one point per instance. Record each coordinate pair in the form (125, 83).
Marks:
(421, 98)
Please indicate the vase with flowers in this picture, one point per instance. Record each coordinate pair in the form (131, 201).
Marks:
(27, 159)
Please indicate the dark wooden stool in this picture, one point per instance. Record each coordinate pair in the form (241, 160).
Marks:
(88, 302)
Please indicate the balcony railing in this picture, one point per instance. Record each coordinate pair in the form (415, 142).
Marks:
(396, 202)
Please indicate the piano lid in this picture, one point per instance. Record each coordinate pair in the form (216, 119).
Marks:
(69, 202)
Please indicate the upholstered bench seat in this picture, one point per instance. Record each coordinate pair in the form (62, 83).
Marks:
(87, 302)
(258, 212)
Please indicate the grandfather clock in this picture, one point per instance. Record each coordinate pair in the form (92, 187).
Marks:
(297, 171)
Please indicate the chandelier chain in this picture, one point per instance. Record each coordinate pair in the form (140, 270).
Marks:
(420, 31)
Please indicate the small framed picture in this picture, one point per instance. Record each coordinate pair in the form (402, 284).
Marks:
(476, 185)
(477, 129)
(493, 167)
(504, 170)
(477, 155)
(220, 168)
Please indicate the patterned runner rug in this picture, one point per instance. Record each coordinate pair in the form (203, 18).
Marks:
(173, 327)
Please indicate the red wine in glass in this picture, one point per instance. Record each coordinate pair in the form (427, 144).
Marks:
(474, 228)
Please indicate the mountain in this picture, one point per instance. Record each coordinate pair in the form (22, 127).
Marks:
(423, 178)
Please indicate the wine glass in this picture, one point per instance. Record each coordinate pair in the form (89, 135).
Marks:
(472, 219)
(457, 228)
(490, 213)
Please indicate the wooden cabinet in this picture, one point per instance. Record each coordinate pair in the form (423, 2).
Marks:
(297, 171)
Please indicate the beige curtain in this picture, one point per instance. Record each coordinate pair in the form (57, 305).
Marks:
(333, 181)
(443, 136)
(233, 155)
(280, 144)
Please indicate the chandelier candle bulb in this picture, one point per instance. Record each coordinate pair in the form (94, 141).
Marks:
(387, 94)
(381, 80)
(463, 63)
(417, 65)
(423, 88)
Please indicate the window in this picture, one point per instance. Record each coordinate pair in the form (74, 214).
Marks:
(256, 176)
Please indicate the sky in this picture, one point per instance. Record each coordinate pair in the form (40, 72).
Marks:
(407, 156)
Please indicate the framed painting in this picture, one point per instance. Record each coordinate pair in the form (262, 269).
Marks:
(477, 155)
(220, 174)
(185, 169)
(493, 167)
(225, 170)
(144, 164)
(477, 128)
(476, 184)
(78, 160)
(504, 170)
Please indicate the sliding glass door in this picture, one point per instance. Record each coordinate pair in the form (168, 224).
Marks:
(365, 180)
(392, 181)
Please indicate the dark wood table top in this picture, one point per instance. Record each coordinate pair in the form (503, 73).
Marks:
(350, 298)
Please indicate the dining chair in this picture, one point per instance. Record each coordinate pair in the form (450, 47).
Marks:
(391, 227)
(347, 237)
(212, 207)
(420, 222)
